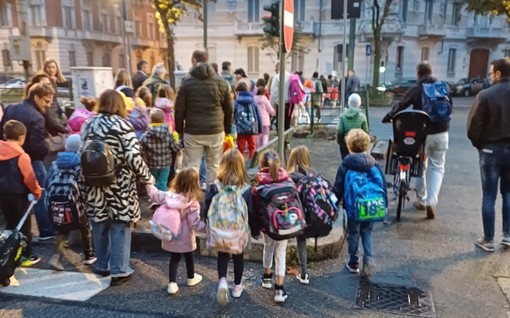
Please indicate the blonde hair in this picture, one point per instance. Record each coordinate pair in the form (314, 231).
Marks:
(270, 159)
(122, 78)
(299, 158)
(186, 184)
(60, 77)
(166, 91)
(144, 93)
(357, 140)
(232, 170)
(157, 116)
(111, 102)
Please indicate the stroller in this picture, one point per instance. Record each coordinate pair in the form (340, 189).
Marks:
(12, 245)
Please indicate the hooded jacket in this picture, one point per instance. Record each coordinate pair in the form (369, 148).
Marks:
(203, 105)
(265, 109)
(16, 173)
(153, 83)
(350, 119)
(246, 99)
(66, 160)
(157, 145)
(77, 119)
(190, 219)
(359, 162)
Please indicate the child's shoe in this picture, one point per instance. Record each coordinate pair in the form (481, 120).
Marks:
(222, 295)
(89, 259)
(30, 261)
(172, 288)
(267, 281)
(195, 280)
(280, 294)
(237, 291)
(55, 262)
(303, 279)
(353, 268)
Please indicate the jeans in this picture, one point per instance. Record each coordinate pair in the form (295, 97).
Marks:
(175, 258)
(13, 206)
(495, 165)
(86, 239)
(223, 259)
(302, 254)
(278, 249)
(194, 147)
(428, 187)
(42, 216)
(203, 170)
(355, 230)
(161, 176)
(112, 242)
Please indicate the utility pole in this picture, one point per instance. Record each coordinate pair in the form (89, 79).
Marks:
(125, 38)
(205, 24)
(281, 90)
(21, 9)
(344, 53)
(352, 44)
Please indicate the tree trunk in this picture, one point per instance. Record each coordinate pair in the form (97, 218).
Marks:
(377, 60)
(171, 56)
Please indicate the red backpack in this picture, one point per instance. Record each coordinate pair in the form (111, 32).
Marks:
(296, 91)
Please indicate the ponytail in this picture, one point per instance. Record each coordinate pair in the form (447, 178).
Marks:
(274, 166)
(271, 160)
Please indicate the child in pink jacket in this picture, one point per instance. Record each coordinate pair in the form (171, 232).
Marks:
(184, 195)
(266, 110)
(81, 115)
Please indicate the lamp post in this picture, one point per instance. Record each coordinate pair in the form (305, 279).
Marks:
(125, 37)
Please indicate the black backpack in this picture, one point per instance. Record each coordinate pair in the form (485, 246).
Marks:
(97, 163)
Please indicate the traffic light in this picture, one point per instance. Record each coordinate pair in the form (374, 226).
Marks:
(272, 19)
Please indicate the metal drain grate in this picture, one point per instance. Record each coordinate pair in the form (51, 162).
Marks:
(394, 299)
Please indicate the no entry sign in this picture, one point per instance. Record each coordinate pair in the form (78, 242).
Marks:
(288, 24)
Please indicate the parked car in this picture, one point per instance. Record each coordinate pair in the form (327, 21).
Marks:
(15, 83)
(398, 88)
(469, 86)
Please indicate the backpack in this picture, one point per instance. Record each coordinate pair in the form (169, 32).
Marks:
(228, 228)
(296, 91)
(64, 202)
(281, 210)
(166, 223)
(97, 163)
(247, 119)
(319, 203)
(436, 101)
(364, 196)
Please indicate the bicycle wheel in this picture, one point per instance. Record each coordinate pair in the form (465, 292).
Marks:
(401, 198)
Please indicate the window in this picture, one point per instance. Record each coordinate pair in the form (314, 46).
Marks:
(6, 58)
(253, 11)
(87, 20)
(106, 59)
(450, 72)
(299, 10)
(4, 15)
(90, 58)
(400, 59)
(425, 53)
(121, 60)
(68, 18)
(403, 9)
(429, 10)
(105, 22)
(506, 53)
(456, 13)
(36, 14)
(253, 59)
(138, 28)
(211, 12)
(118, 24)
(150, 26)
(72, 58)
(40, 57)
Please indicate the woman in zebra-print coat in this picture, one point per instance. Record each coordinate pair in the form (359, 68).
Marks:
(112, 208)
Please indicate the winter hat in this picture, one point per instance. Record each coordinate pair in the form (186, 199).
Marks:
(73, 143)
(354, 101)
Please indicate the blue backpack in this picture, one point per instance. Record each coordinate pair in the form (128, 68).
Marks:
(364, 196)
(247, 119)
(436, 101)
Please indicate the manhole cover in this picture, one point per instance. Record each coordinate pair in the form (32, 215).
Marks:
(396, 299)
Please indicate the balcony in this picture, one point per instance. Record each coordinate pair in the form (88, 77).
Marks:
(139, 43)
(248, 29)
(431, 32)
(486, 34)
(305, 28)
(101, 37)
(392, 29)
(42, 32)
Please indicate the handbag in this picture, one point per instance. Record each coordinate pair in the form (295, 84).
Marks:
(56, 143)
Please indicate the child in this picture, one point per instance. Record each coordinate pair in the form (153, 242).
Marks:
(232, 176)
(247, 120)
(358, 161)
(138, 117)
(157, 145)
(165, 102)
(81, 115)
(184, 195)
(265, 110)
(61, 180)
(351, 118)
(17, 179)
(143, 96)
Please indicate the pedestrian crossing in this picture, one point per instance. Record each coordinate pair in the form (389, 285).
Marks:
(75, 286)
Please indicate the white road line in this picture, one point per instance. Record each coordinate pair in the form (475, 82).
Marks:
(60, 285)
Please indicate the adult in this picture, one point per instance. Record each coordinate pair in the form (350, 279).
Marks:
(51, 68)
(30, 113)
(241, 76)
(157, 78)
(317, 95)
(352, 85)
(203, 114)
(112, 208)
(142, 68)
(123, 83)
(487, 128)
(436, 144)
(226, 75)
(275, 94)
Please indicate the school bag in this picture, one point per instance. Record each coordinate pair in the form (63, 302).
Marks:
(296, 91)
(228, 229)
(436, 101)
(364, 196)
(320, 204)
(65, 205)
(247, 119)
(281, 210)
(166, 223)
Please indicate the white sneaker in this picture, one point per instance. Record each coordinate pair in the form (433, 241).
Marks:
(305, 280)
(237, 291)
(222, 295)
(195, 280)
(172, 288)
(280, 295)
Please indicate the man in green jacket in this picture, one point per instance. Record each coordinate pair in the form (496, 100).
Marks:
(351, 118)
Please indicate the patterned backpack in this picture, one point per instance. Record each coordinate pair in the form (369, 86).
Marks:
(228, 228)
(166, 222)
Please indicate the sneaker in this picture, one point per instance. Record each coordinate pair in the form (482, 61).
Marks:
(30, 261)
(117, 281)
(89, 260)
(353, 268)
(368, 268)
(485, 245)
(303, 279)
(55, 262)
(172, 288)
(195, 280)
(237, 291)
(280, 294)
(506, 240)
(419, 205)
(431, 212)
(222, 295)
(101, 272)
(46, 238)
(267, 281)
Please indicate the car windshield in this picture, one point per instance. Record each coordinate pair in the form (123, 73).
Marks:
(462, 81)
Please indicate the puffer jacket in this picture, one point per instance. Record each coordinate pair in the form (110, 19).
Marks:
(118, 201)
(190, 219)
(157, 145)
(77, 119)
(350, 119)
(203, 105)
(153, 84)
(246, 99)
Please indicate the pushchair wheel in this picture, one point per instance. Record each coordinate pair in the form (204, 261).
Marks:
(6, 282)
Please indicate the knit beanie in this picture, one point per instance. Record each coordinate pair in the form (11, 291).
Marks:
(73, 143)
(354, 101)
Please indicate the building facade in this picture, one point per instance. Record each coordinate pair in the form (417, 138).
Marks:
(89, 32)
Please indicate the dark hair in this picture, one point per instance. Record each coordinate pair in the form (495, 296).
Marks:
(330, 76)
(315, 74)
(261, 90)
(111, 103)
(40, 90)
(241, 87)
(89, 102)
(266, 77)
(215, 66)
(502, 65)
(14, 129)
(140, 64)
(200, 56)
(261, 82)
(36, 79)
(225, 65)
(423, 69)
(241, 72)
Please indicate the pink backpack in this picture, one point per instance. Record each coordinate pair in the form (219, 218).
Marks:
(166, 221)
(296, 91)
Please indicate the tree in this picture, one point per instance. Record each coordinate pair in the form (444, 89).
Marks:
(168, 13)
(273, 43)
(378, 19)
(492, 7)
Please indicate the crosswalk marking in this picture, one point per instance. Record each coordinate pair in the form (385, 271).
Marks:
(60, 285)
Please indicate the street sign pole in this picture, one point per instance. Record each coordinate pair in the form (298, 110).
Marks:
(344, 52)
